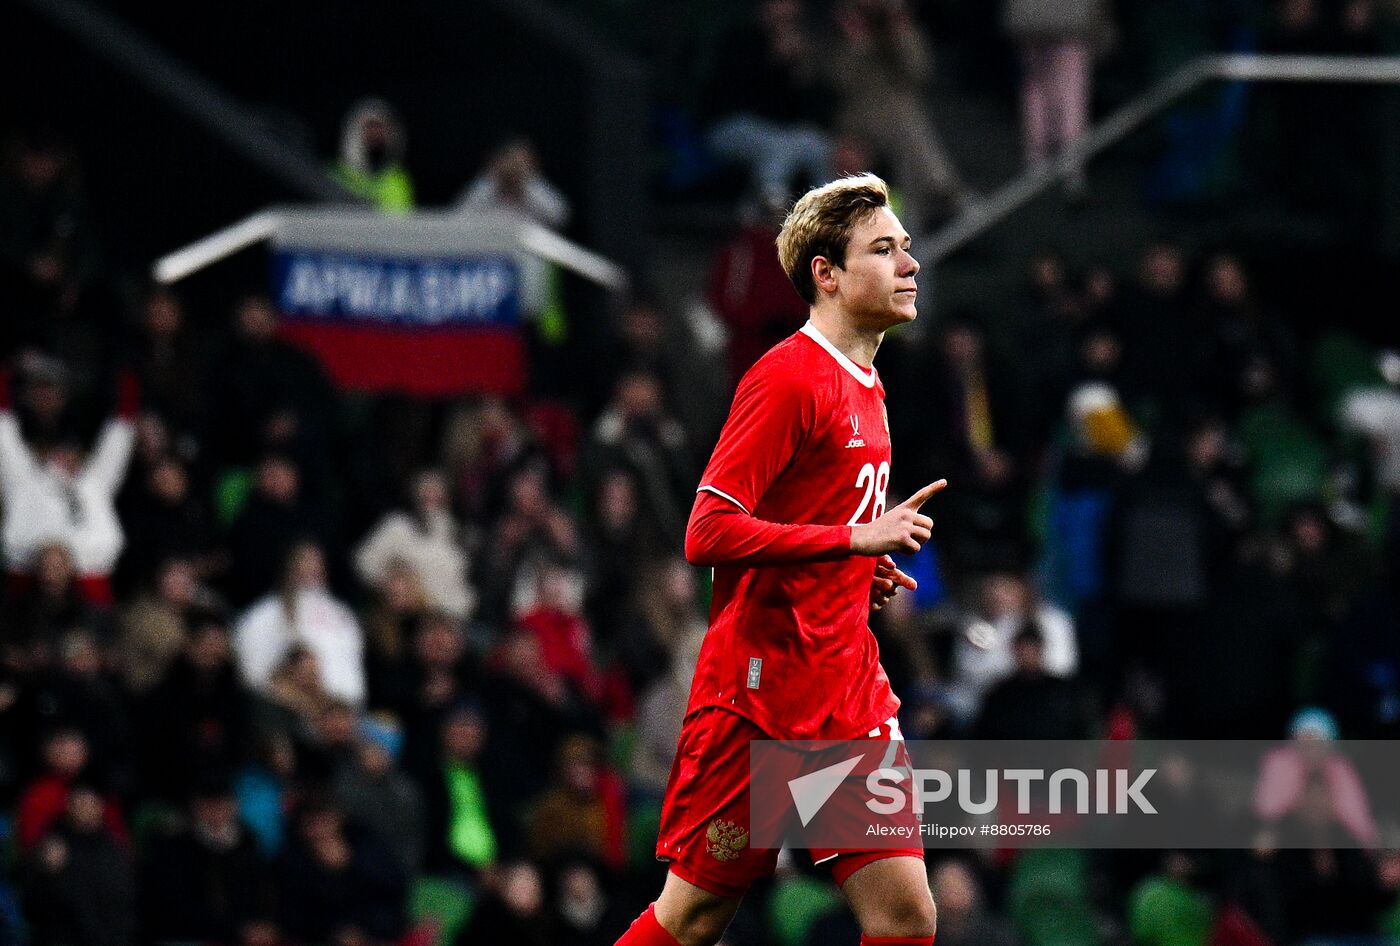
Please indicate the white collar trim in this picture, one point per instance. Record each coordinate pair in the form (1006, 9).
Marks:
(866, 378)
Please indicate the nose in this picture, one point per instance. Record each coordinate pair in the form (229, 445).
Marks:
(911, 265)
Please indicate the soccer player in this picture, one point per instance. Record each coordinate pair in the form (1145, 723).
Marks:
(791, 515)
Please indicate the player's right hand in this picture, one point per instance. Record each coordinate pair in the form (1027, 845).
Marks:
(902, 529)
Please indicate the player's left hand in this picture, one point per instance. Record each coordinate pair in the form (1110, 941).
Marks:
(887, 582)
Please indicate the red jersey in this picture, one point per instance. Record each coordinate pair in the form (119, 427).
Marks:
(789, 646)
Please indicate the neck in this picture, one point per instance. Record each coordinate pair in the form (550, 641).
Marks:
(857, 344)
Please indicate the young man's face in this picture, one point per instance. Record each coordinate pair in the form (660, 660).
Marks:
(876, 285)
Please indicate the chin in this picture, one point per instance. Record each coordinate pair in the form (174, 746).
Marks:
(903, 314)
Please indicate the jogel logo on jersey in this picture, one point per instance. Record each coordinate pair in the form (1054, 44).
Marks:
(855, 440)
(725, 840)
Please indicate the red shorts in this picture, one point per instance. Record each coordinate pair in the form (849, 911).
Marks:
(705, 817)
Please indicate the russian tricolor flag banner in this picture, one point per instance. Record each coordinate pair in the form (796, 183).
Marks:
(397, 305)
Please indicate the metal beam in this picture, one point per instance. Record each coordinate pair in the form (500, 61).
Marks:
(1019, 191)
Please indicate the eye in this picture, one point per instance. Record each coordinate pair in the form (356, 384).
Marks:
(883, 251)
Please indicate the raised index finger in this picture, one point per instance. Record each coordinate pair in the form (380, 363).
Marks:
(924, 495)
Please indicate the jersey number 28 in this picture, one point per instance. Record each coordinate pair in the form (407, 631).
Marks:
(876, 484)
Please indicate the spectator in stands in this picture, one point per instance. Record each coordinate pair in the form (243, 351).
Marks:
(660, 711)
(750, 293)
(1216, 468)
(564, 638)
(512, 910)
(483, 445)
(327, 745)
(662, 614)
(1168, 908)
(511, 184)
(78, 692)
(986, 651)
(43, 802)
(584, 914)
(436, 675)
(512, 181)
(1161, 341)
(1249, 354)
(277, 515)
(266, 393)
(463, 820)
(153, 628)
(399, 609)
(765, 104)
(638, 433)
(43, 398)
(1032, 704)
(55, 494)
(879, 68)
(428, 540)
(49, 607)
(198, 719)
(970, 429)
(532, 532)
(530, 710)
(646, 341)
(963, 919)
(163, 519)
(81, 882)
(620, 543)
(170, 364)
(303, 612)
(371, 165)
(1100, 426)
(583, 811)
(380, 798)
(47, 250)
(338, 884)
(1309, 765)
(205, 881)
(1055, 42)
(1330, 564)
(296, 694)
(266, 792)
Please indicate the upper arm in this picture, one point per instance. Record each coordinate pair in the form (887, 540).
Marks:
(107, 465)
(15, 459)
(767, 425)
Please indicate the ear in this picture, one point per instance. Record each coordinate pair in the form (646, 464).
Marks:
(824, 274)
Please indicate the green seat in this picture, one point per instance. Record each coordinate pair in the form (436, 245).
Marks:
(446, 904)
(1390, 923)
(1165, 912)
(796, 904)
(1288, 461)
(231, 493)
(1338, 365)
(1049, 899)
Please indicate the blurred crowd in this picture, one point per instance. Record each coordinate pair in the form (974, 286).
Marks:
(768, 97)
(285, 664)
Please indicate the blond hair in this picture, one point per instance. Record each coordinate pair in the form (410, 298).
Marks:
(820, 224)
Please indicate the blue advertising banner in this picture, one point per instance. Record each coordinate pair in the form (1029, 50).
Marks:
(427, 325)
(406, 292)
